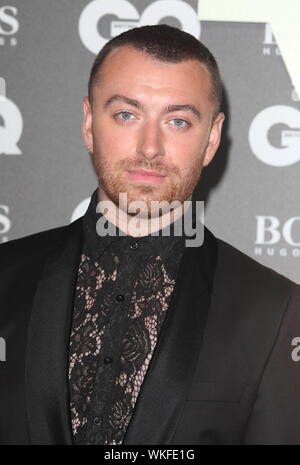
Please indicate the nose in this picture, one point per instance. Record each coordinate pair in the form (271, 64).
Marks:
(150, 141)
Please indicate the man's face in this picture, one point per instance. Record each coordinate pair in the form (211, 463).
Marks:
(153, 116)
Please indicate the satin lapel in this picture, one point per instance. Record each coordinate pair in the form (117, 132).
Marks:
(48, 340)
(163, 393)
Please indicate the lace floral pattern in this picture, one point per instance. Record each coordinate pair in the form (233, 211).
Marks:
(109, 392)
(122, 295)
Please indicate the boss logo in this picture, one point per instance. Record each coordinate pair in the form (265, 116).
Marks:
(270, 232)
(9, 25)
(269, 43)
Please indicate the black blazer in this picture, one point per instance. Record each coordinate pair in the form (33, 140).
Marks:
(221, 373)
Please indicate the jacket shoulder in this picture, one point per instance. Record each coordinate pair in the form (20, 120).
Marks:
(36, 244)
(249, 274)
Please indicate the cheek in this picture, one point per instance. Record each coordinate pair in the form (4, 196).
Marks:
(109, 142)
(185, 152)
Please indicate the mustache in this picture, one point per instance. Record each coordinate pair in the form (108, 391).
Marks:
(138, 163)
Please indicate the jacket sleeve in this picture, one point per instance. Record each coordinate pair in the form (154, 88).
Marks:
(275, 417)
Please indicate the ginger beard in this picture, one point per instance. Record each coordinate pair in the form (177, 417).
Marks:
(113, 180)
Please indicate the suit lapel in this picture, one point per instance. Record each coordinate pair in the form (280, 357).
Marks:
(46, 371)
(165, 387)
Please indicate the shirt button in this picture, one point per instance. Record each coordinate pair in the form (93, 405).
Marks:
(134, 246)
(97, 421)
(107, 360)
(120, 298)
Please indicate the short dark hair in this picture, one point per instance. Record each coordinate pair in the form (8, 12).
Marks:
(165, 43)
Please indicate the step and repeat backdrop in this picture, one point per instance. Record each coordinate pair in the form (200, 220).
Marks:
(251, 189)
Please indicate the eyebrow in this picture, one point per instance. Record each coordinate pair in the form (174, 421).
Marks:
(167, 109)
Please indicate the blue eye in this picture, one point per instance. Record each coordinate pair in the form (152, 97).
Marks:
(180, 123)
(125, 115)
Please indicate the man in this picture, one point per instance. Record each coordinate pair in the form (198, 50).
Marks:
(134, 337)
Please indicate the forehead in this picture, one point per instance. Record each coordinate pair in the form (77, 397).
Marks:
(126, 69)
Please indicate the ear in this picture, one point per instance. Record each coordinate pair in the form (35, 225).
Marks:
(214, 138)
(87, 124)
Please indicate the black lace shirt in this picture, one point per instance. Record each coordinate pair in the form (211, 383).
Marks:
(123, 291)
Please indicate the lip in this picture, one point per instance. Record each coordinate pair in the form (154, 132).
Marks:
(148, 176)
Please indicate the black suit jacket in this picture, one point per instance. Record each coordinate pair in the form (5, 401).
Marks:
(221, 372)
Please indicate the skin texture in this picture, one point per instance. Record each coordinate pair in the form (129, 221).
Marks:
(149, 135)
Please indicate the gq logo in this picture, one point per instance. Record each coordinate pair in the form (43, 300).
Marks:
(129, 17)
(5, 223)
(289, 151)
(11, 131)
(9, 24)
(80, 209)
